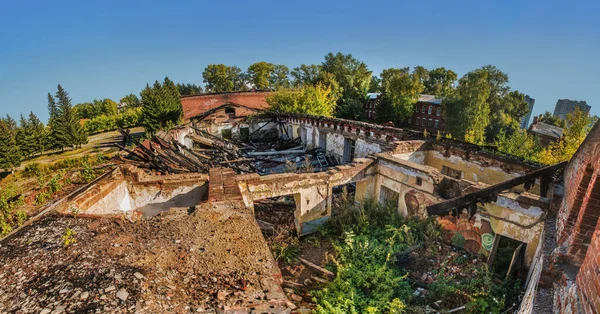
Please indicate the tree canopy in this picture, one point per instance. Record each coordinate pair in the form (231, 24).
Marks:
(310, 99)
(401, 90)
(189, 89)
(161, 106)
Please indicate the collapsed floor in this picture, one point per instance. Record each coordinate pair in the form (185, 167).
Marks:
(208, 260)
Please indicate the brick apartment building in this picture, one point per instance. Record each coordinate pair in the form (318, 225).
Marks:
(428, 114)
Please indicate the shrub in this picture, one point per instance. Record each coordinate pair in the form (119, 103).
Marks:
(286, 252)
(68, 237)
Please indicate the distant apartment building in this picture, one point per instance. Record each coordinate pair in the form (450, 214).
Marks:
(428, 114)
(371, 106)
(566, 106)
(525, 121)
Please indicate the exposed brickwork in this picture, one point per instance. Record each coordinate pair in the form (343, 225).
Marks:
(588, 278)
(195, 105)
(579, 229)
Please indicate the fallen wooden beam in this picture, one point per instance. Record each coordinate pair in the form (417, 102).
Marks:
(281, 152)
(317, 268)
(489, 194)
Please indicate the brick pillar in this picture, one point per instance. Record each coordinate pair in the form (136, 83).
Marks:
(572, 202)
(587, 218)
(588, 278)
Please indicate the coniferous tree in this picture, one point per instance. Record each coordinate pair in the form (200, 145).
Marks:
(161, 106)
(21, 137)
(9, 151)
(35, 137)
(54, 137)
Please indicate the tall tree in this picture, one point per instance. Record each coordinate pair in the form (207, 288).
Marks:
(306, 74)
(218, 78)
(132, 100)
(467, 114)
(440, 82)
(54, 136)
(36, 136)
(72, 132)
(161, 106)
(352, 75)
(401, 90)
(21, 137)
(279, 77)
(189, 89)
(310, 99)
(9, 151)
(260, 74)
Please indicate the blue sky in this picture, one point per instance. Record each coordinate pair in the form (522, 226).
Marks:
(107, 49)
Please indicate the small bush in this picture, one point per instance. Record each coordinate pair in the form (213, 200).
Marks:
(68, 237)
(286, 253)
(32, 170)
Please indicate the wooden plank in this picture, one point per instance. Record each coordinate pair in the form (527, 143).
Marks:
(490, 193)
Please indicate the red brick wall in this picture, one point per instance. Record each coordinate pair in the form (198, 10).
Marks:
(425, 115)
(195, 105)
(588, 278)
(578, 220)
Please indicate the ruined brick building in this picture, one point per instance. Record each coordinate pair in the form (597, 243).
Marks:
(215, 166)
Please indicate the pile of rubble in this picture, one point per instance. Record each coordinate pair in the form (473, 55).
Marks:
(164, 153)
(213, 260)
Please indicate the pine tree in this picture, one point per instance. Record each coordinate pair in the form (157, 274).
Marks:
(36, 137)
(70, 130)
(161, 106)
(21, 137)
(9, 151)
(54, 136)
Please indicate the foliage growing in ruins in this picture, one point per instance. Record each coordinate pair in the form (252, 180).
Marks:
(286, 253)
(313, 100)
(68, 237)
(161, 106)
(368, 279)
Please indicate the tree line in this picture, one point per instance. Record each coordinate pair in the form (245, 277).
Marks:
(479, 107)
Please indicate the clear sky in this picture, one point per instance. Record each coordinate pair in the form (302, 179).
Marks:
(107, 49)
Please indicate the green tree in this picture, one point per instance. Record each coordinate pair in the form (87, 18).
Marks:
(306, 74)
(71, 131)
(161, 107)
(314, 100)
(21, 137)
(578, 125)
(132, 100)
(401, 90)
(467, 115)
(375, 85)
(55, 138)
(189, 89)
(36, 134)
(520, 143)
(219, 77)
(440, 82)
(549, 118)
(279, 77)
(352, 75)
(10, 156)
(260, 74)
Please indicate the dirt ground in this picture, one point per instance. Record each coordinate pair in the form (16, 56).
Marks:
(298, 278)
(213, 260)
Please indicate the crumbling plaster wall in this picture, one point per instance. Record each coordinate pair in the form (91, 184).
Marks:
(312, 191)
(128, 188)
(335, 140)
